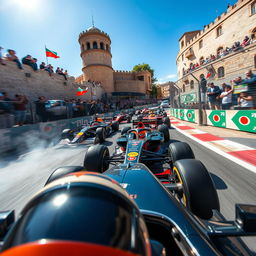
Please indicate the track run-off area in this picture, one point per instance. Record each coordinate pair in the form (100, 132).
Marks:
(22, 176)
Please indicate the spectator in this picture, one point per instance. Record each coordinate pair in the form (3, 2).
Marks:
(236, 46)
(245, 101)
(49, 69)
(57, 71)
(62, 73)
(250, 77)
(6, 118)
(226, 97)
(42, 65)
(223, 85)
(203, 87)
(11, 56)
(28, 60)
(246, 41)
(1, 58)
(20, 109)
(213, 92)
(41, 111)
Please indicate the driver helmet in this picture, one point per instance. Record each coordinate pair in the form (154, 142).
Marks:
(85, 212)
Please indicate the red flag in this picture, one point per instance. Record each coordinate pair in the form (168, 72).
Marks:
(208, 75)
(80, 91)
(50, 53)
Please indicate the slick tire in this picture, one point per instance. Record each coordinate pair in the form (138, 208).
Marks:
(62, 171)
(200, 194)
(180, 150)
(165, 131)
(115, 126)
(66, 134)
(125, 130)
(100, 134)
(167, 122)
(95, 159)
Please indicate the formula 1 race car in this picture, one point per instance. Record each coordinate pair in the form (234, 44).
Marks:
(123, 117)
(95, 132)
(127, 210)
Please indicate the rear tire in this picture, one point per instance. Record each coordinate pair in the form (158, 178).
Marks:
(199, 191)
(180, 150)
(95, 159)
(62, 171)
(115, 126)
(164, 129)
(125, 130)
(100, 134)
(167, 122)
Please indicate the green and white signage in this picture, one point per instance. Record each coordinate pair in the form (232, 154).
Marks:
(245, 120)
(188, 98)
(218, 118)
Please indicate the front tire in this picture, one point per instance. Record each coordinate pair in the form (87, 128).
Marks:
(180, 150)
(198, 194)
(165, 131)
(100, 134)
(95, 159)
(125, 130)
(115, 126)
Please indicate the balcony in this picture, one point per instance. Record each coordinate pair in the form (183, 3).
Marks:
(189, 53)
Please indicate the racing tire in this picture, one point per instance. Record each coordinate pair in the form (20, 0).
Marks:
(115, 126)
(95, 159)
(66, 134)
(100, 134)
(180, 150)
(125, 130)
(62, 171)
(165, 131)
(167, 122)
(199, 193)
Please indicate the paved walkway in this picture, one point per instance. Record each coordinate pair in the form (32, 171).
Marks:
(237, 146)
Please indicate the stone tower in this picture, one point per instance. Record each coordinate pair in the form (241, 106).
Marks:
(97, 58)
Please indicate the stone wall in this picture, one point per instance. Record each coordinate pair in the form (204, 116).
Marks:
(130, 86)
(237, 22)
(34, 84)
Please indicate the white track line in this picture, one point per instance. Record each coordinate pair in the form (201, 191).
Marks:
(244, 164)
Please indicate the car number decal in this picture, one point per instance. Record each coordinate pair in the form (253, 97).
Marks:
(131, 158)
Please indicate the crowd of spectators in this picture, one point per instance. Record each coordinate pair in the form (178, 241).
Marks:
(239, 94)
(30, 61)
(237, 46)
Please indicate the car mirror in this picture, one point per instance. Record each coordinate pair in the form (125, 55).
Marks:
(157, 249)
(6, 220)
(246, 217)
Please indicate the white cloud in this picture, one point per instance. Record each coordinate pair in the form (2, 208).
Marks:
(166, 78)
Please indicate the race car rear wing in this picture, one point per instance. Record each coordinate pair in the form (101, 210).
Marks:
(147, 121)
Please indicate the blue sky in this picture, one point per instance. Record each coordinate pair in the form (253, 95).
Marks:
(141, 31)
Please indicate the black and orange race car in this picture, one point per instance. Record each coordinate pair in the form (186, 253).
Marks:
(94, 132)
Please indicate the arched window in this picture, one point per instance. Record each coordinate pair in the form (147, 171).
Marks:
(102, 46)
(253, 35)
(219, 31)
(192, 84)
(107, 47)
(182, 44)
(88, 46)
(221, 72)
(183, 87)
(95, 45)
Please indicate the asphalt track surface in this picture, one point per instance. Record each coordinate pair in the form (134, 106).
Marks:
(21, 177)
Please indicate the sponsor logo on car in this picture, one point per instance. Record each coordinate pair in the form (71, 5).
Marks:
(133, 154)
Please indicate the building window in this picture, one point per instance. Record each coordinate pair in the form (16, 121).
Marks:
(107, 47)
(182, 44)
(182, 57)
(219, 31)
(221, 72)
(201, 60)
(255, 61)
(253, 8)
(200, 44)
(88, 46)
(183, 88)
(192, 84)
(95, 45)
(102, 46)
(253, 35)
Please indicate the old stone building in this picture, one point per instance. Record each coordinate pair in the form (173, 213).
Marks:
(97, 66)
(164, 90)
(213, 52)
